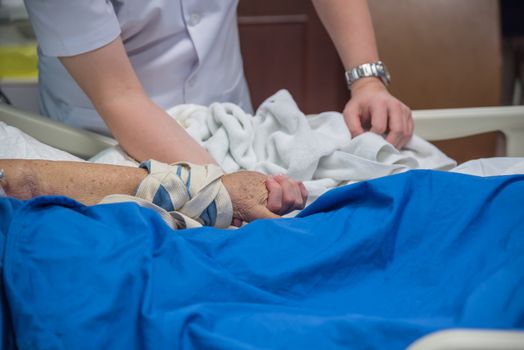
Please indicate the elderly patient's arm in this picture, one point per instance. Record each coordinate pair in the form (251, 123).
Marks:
(88, 183)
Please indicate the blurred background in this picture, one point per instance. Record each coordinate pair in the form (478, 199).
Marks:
(18, 58)
(441, 54)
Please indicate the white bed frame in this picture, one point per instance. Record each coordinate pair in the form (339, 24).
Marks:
(81, 143)
(442, 124)
(433, 125)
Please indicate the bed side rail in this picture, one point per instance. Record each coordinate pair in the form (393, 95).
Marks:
(440, 124)
(81, 143)
(470, 339)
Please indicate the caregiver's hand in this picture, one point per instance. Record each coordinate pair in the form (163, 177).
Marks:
(373, 108)
(285, 194)
(255, 195)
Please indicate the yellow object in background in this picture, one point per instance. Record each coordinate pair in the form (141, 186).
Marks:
(18, 61)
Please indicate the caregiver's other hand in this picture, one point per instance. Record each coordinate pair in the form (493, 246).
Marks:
(373, 108)
(285, 194)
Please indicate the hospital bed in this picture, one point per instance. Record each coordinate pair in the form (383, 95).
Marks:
(432, 125)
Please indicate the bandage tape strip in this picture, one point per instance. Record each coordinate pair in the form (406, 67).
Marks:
(193, 190)
(173, 219)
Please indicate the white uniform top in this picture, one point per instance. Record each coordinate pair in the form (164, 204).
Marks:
(183, 51)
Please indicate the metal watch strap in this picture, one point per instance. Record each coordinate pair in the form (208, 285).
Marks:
(374, 69)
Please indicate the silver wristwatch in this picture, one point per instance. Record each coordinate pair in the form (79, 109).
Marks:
(376, 69)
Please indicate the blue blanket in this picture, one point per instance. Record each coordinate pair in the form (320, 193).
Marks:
(373, 265)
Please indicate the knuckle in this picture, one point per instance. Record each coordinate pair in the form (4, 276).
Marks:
(380, 105)
(401, 107)
(396, 129)
(278, 177)
(272, 186)
(379, 129)
(288, 198)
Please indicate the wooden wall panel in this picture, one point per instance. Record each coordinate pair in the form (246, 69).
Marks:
(257, 8)
(284, 45)
(441, 53)
(326, 88)
(280, 63)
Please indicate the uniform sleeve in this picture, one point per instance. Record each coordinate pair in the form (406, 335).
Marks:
(72, 27)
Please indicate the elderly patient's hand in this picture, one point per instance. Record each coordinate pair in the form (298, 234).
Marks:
(256, 196)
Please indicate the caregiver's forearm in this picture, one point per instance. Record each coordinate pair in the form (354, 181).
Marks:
(88, 183)
(147, 132)
(349, 25)
(143, 129)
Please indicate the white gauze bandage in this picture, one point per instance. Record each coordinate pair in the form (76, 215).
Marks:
(195, 191)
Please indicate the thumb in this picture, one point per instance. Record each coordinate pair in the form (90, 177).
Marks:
(261, 212)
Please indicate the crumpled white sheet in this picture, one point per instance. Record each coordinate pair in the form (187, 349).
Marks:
(280, 139)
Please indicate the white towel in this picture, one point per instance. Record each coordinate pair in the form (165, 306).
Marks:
(280, 139)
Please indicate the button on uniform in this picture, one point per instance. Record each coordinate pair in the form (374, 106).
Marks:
(191, 81)
(194, 19)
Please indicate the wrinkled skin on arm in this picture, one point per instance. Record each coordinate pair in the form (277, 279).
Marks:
(88, 183)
